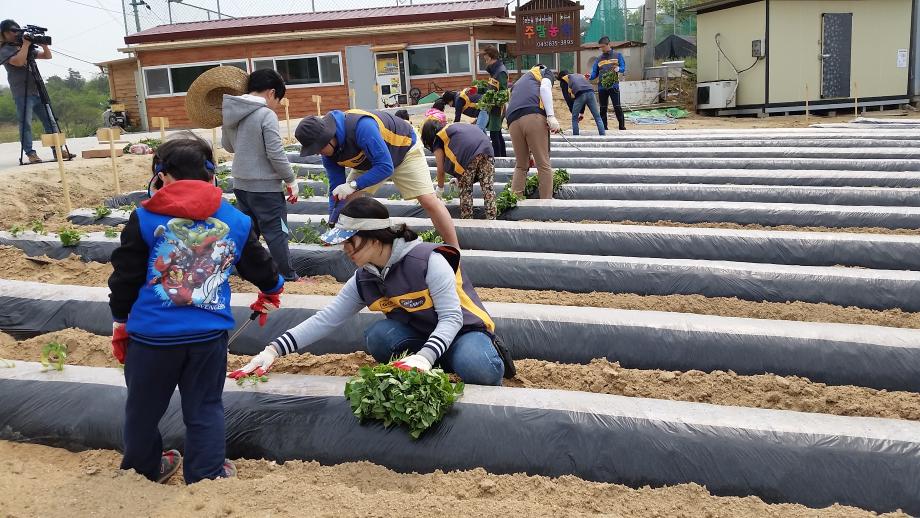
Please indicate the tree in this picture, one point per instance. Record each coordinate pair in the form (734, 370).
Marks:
(78, 104)
(74, 79)
(667, 6)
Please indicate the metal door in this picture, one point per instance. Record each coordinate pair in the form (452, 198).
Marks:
(836, 43)
(362, 80)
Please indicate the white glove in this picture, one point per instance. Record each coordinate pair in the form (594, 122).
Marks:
(292, 190)
(260, 363)
(439, 191)
(553, 124)
(415, 361)
(343, 191)
(453, 182)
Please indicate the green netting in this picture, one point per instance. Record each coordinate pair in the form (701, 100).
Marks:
(660, 113)
(609, 20)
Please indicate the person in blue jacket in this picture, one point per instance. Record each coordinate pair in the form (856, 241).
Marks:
(608, 70)
(377, 147)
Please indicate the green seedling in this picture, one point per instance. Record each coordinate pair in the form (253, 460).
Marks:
(53, 356)
(70, 237)
(16, 230)
(307, 192)
(506, 200)
(38, 227)
(111, 232)
(414, 398)
(395, 196)
(431, 236)
(305, 235)
(127, 208)
(102, 211)
(252, 379)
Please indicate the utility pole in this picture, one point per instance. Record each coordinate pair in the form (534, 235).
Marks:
(137, 18)
(124, 15)
(218, 9)
(648, 35)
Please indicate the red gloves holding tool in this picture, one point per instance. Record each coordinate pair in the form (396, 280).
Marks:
(265, 304)
(119, 341)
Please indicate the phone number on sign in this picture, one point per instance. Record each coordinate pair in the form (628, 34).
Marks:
(554, 43)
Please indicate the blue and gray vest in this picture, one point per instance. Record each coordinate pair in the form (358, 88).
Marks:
(470, 108)
(525, 95)
(186, 296)
(463, 142)
(495, 71)
(403, 296)
(576, 84)
(608, 62)
(396, 133)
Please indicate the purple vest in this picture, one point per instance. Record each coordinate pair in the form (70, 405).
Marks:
(576, 83)
(404, 297)
(462, 142)
(396, 133)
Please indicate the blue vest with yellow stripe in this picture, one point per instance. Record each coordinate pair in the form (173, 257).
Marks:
(470, 106)
(496, 70)
(525, 94)
(396, 133)
(403, 295)
(462, 143)
(576, 84)
(608, 62)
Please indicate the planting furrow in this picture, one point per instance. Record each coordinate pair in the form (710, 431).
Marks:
(831, 353)
(782, 456)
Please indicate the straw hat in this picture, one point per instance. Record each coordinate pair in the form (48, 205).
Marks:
(205, 98)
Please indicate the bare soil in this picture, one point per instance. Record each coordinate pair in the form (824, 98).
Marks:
(89, 483)
(15, 265)
(600, 376)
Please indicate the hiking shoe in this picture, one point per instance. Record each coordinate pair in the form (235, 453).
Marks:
(169, 465)
(33, 158)
(229, 468)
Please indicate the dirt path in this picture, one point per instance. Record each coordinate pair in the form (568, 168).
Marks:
(15, 265)
(42, 481)
(600, 376)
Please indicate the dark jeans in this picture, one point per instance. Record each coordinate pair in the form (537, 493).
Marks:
(26, 107)
(614, 95)
(268, 211)
(498, 143)
(471, 356)
(578, 107)
(152, 374)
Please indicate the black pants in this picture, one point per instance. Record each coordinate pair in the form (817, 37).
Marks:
(269, 219)
(611, 94)
(152, 374)
(498, 143)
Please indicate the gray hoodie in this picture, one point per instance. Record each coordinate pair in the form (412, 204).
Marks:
(252, 134)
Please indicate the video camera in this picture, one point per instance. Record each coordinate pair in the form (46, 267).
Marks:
(34, 34)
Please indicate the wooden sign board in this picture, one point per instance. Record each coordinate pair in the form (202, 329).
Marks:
(108, 134)
(548, 27)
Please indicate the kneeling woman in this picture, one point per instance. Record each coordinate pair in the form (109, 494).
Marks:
(431, 310)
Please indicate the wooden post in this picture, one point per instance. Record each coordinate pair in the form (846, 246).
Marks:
(214, 143)
(318, 99)
(806, 102)
(162, 122)
(855, 99)
(57, 140)
(111, 135)
(287, 115)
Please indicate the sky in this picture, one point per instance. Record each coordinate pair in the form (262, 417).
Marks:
(90, 31)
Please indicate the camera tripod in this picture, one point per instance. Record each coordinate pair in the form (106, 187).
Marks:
(46, 105)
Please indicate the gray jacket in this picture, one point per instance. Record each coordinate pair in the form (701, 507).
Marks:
(252, 134)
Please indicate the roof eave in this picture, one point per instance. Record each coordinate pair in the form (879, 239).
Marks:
(715, 5)
(311, 34)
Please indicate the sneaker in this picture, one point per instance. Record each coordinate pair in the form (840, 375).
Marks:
(33, 158)
(229, 468)
(169, 465)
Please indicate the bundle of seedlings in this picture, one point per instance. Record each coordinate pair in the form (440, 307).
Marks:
(415, 398)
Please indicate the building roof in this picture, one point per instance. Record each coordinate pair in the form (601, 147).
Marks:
(715, 5)
(615, 45)
(446, 11)
(116, 61)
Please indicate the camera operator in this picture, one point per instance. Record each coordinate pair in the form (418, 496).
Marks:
(14, 54)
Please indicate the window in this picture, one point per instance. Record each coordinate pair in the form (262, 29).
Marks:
(502, 47)
(567, 61)
(530, 60)
(176, 80)
(323, 69)
(439, 60)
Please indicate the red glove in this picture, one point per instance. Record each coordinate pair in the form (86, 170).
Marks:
(265, 304)
(292, 190)
(473, 90)
(119, 341)
(588, 77)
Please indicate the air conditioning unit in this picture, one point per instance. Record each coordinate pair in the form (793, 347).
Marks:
(716, 95)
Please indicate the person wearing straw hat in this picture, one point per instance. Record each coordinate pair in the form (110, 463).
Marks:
(432, 310)
(262, 175)
(377, 146)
